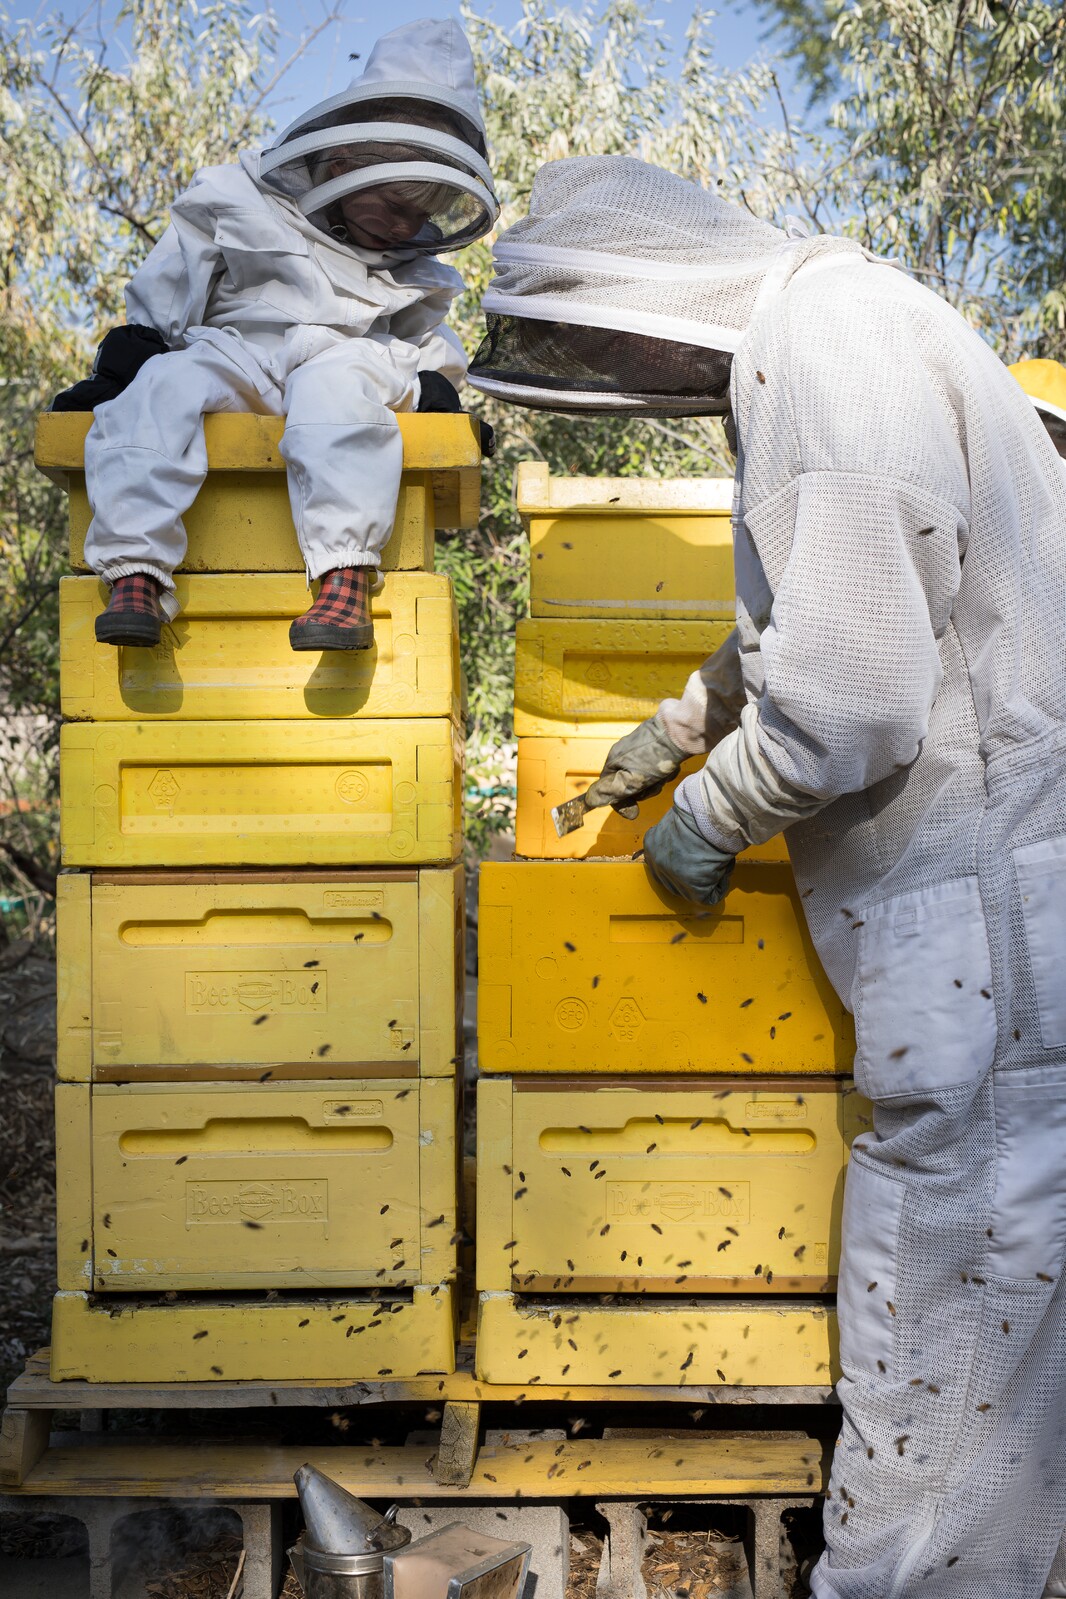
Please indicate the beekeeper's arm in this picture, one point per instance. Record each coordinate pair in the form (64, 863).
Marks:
(850, 656)
(864, 562)
(170, 291)
(639, 764)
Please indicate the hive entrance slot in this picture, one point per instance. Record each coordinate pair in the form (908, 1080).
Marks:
(680, 1135)
(253, 1135)
(262, 925)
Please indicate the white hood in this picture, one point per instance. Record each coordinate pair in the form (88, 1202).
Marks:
(410, 128)
(432, 55)
(616, 244)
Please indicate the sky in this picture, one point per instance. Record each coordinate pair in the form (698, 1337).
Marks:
(325, 68)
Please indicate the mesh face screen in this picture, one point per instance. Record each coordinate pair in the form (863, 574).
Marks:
(326, 166)
(571, 359)
(382, 216)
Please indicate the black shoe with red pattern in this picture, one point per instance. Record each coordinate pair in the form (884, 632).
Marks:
(134, 615)
(340, 617)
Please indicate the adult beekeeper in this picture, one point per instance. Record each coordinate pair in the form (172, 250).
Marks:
(894, 696)
(301, 282)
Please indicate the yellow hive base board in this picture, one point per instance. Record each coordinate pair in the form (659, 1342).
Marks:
(722, 1464)
(663, 1186)
(596, 679)
(588, 966)
(650, 1341)
(241, 519)
(261, 793)
(253, 1339)
(253, 976)
(226, 655)
(209, 1186)
(601, 547)
(551, 770)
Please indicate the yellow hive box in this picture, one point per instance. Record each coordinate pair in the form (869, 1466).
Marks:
(706, 1343)
(205, 975)
(272, 1185)
(588, 966)
(241, 520)
(598, 679)
(642, 547)
(663, 1187)
(334, 793)
(551, 770)
(326, 1339)
(227, 655)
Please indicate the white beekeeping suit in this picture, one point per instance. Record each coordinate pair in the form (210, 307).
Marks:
(900, 541)
(302, 283)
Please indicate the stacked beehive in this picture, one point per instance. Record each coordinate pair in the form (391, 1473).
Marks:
(660, 1169)
(259, 939)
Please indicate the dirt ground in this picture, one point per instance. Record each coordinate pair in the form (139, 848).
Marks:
(27, 1157)
(677, 1565)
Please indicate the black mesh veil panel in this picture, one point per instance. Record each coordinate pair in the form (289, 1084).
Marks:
(565, 366)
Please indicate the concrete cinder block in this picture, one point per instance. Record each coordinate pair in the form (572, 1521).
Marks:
(623, 1552)
(545, 1527)
(101, 1518)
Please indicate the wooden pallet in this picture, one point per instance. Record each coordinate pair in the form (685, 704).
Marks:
(95, 1464)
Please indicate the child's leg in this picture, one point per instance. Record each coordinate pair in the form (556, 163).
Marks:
(344, 453)
(145, 460)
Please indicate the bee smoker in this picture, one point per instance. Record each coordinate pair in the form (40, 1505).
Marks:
(341, 1552)
(348, 1551)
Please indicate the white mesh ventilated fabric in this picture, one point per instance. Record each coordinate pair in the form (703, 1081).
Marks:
(616, 245)
(398, 158)
(900, 539)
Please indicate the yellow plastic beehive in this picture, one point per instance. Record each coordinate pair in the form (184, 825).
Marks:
(703, 1343)
(638, 547)
(597, 679)
(662, 1187)
(588, 966)
(232, 975)
(322, 1338)
(241, 520)
(331, 793)
(551, 770)
(226, 655)
(271, 1185)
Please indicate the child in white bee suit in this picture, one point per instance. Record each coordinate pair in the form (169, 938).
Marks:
(301, 282)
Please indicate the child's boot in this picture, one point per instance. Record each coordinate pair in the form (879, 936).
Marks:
(134, 614)
(340, 617)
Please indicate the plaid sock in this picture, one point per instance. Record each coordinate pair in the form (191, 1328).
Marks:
(343, 598)
(137, 594)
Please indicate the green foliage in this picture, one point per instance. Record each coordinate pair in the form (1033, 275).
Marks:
(803, 32)
(950, 123)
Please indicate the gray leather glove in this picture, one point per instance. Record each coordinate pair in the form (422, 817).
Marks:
(636, 768)
(682, 861)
